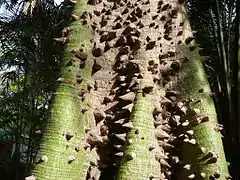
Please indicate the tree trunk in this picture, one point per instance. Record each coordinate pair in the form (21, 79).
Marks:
(63, 152)
(140, 156)
(201, 155)
(202, 149)
(141, 57)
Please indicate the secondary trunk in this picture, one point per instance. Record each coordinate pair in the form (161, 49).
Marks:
(190, 109)
(63, 153)
(202, 152)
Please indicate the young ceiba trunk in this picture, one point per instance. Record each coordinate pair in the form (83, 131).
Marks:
(192, 112)
(146, 71)
(63, 153)
(202, 152)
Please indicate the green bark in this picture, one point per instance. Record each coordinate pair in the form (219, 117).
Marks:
(194, 86)
(138, 162)
(62, 154)
(193, 81)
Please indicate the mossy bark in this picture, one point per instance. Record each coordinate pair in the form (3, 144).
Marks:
(138, 162)
(65, 158)
(206, 156)
(62, 154)
(193, 81)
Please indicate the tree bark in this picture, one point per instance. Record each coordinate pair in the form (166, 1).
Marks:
(139, 159)
(179, 52)
(143, 52)
(205, 153)
(63, 153)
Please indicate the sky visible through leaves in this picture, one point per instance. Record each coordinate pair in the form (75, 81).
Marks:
(3, 11)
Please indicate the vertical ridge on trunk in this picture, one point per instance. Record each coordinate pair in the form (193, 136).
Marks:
(139, 160)
(63, 152)
(202, 154)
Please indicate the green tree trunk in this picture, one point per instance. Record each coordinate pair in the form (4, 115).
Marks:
(151, 49)
(201, 155)
(63, 154)
(141, 151)
(202, 152)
